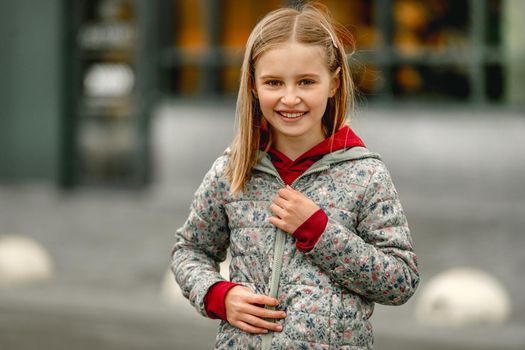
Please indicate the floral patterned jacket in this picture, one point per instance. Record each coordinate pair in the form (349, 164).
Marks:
(363, 257)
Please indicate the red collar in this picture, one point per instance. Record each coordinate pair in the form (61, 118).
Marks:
(289, 169)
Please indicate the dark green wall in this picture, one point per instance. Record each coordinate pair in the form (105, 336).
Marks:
(514, 27)
(30, 89)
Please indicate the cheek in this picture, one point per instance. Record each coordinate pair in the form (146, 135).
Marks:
(317, 100)
(267, 101)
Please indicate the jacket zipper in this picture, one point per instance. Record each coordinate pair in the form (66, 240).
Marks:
(278, 251)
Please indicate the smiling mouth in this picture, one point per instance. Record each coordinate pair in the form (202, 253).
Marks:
(292, 115)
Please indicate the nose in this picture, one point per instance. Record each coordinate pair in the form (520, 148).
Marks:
(290, 98)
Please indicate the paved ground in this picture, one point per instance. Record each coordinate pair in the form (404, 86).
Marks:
(459, 173)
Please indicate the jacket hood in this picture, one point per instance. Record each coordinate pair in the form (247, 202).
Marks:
(348, 154)
(342, 155)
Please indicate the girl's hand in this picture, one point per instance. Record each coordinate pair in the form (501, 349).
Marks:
(244, 311)
(291, 209)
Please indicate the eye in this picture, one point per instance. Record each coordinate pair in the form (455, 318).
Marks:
(307, 82)
(272, 82)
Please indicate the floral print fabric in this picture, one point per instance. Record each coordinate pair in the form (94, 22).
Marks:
(364, 256)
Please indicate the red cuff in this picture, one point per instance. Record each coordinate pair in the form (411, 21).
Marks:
(214, 299)
(310, 231)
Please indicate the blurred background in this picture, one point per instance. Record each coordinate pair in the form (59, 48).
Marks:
(111, 112)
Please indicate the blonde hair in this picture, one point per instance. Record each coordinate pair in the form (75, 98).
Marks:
(310, 25)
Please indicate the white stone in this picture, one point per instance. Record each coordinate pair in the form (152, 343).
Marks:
(23, 260)
(462, 296)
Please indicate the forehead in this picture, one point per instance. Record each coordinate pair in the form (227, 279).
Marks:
(290, 58)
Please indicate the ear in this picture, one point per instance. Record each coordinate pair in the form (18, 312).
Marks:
(254, 92)
(335, 83)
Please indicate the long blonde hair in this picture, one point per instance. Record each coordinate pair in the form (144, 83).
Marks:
(310, 25)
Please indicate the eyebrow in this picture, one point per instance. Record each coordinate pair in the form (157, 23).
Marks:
(300, 76)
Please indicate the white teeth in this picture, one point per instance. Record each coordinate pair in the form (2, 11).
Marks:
(292, 115)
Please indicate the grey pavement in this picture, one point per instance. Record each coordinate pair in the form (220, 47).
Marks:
(460, 174)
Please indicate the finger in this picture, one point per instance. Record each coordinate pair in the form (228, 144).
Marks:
(276, 221)
(286, 192)
(261, 299)
(289, 194)
(290, 188)
(277, 210)
(262, 324)
(265, 313)
(281, 202)
(248, 328)
(273, 208)
(282, 224)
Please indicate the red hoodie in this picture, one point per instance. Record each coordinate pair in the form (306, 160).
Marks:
(311, 230)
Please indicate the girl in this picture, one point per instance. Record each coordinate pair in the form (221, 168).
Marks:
(312, 220)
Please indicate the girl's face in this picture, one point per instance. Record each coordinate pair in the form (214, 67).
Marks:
(293, 84)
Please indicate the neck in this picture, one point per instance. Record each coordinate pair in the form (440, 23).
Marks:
(293, 147)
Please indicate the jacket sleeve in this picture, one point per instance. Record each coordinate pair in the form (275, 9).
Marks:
(201, 243)
(375, 258)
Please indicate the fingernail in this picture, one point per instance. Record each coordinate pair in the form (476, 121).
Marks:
(265, 331)
(279, 328)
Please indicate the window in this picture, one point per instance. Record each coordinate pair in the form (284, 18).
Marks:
(406, 49)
